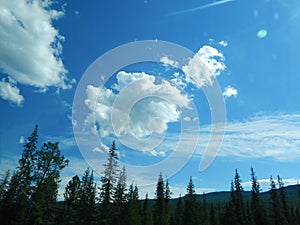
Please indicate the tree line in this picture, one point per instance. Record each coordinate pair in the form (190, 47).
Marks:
(28, 196)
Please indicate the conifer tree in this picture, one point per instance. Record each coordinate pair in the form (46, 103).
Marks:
(119, 198)
(133, 207)
(120, 190)
(107, 189)
(205, 217)
(192, 211)
(276, 211)
(71, 202)
(16, 204)
(159, 213)
(87, 199)
(238, 202)
(282, 199)
(256, 205)
(179, 212)
(109, 177)
(147, 218)
(32, 190)
(168, 194)
(48, 162)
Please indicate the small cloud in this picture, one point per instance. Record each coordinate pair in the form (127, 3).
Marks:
(76, 12)
(229, 92)
(169, 62)
(9, 91)
(21, 140)
(206, 64)
(223, 43)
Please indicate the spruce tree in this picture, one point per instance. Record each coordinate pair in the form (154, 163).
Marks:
(119, 198)
(16, 204)
(179, 211)
(87, 199)
(257, 208)
(192, 211)
(133, 208)
(147, 218)
(120, 190)
(276, 210)
(159, 213)
(238, 202)
(71, 202)
(168, 194)
(107, 189)
(282, 199)
(109, 177)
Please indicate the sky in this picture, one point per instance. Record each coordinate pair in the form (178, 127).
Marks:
(197, 88)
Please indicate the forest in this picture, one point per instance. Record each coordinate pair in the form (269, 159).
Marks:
(28, 196)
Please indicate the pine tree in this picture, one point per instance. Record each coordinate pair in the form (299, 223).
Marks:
(159, 213)
(276, 211)
(31, 195)
(205, 217)
(192, 213)
(179, 212)
(119, 194)
(48, 162)
(16, 204)
(257, 207)
(87, 199)
(133, 207)
(109, 177)
(120, 198)
(282, 199)
(238, 202)
(71, 202)
(108, 180)
(167, 197)
(147, 218)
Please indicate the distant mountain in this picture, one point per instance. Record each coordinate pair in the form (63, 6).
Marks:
(222, 197)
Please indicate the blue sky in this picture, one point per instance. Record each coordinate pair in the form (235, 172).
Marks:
(249, 48)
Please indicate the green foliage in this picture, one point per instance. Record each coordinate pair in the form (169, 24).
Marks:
(159, 213)
(28, 196)
(192, 213)
(258, 212)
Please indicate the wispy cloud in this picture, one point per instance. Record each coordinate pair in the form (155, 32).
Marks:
(199, 7)
(263, 136)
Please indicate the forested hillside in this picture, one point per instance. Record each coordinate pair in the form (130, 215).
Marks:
(28, 195)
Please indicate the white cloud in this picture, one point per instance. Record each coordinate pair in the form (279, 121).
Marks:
(205, 64)
(223, 43)
(265, 183)
(156, 105)
(30, 47)
(265, 136)
(9, 91)
(168, 61)
(229, 92)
